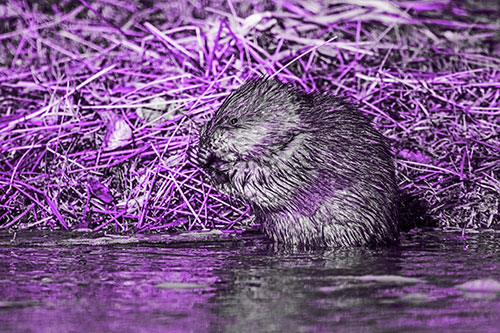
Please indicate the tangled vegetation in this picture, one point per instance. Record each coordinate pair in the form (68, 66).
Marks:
(101, 100)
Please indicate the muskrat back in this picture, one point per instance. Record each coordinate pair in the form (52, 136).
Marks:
(313, 169)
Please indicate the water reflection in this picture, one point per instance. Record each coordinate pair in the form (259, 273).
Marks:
(250, 286)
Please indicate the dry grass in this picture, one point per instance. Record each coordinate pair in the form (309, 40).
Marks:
(100, 101)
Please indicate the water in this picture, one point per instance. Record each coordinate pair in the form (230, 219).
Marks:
(247, 286)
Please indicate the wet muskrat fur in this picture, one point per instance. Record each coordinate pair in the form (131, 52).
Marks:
(314, 170)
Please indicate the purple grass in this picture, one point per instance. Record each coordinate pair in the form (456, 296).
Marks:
(100, 102)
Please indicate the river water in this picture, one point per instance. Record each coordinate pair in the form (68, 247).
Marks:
(247, 285)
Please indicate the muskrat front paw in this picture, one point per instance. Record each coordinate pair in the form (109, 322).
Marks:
(204, 158)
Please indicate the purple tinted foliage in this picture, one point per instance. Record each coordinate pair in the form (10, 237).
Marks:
(115, 92)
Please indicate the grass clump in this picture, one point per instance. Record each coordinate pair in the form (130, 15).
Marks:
(101, 100)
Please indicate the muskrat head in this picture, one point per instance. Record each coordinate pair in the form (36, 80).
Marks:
(255, 122)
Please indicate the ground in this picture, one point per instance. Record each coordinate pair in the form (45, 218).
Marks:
(100, 101)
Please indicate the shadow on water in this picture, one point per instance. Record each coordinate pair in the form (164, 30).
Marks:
(247, 285)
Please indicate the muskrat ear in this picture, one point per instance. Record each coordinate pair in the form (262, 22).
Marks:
(289, 139)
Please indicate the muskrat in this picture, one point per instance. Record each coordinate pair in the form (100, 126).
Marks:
(313, 169)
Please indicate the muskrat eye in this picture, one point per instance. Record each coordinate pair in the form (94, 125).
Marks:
(233, 121)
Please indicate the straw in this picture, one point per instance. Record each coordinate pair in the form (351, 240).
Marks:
(101, 102)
